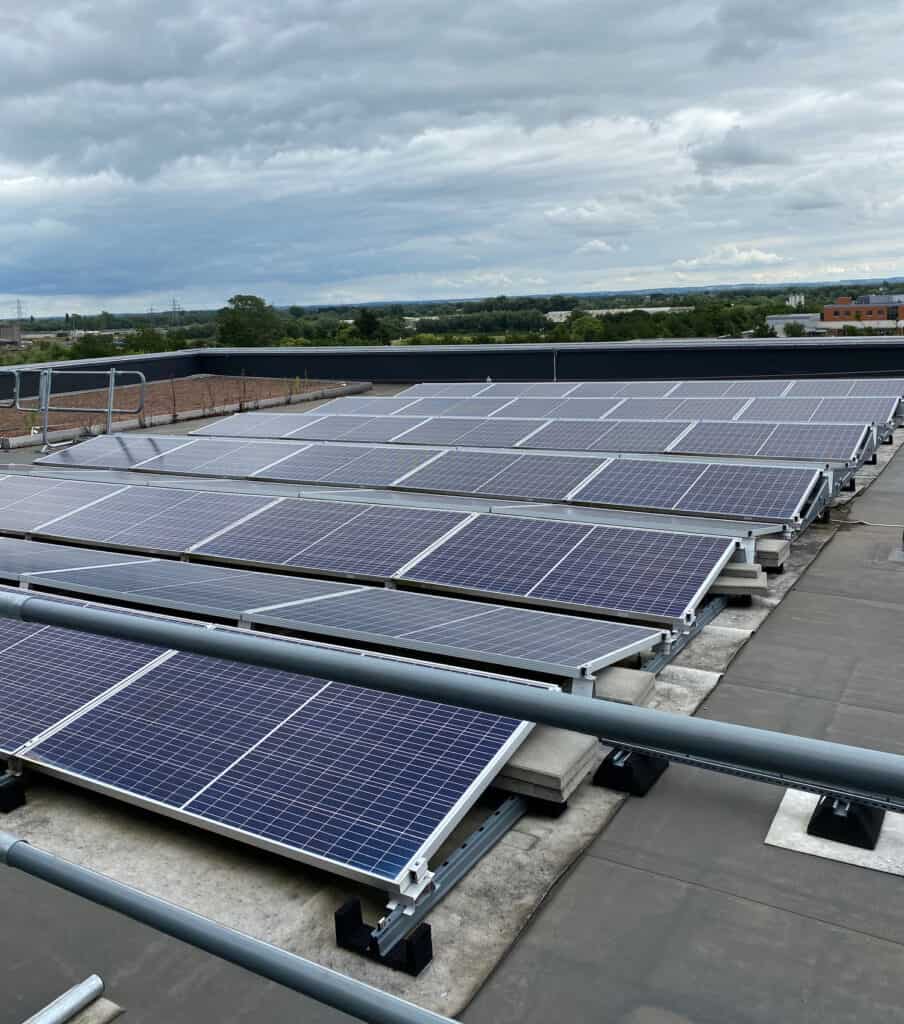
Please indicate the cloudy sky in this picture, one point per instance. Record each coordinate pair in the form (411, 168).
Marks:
(352, 150)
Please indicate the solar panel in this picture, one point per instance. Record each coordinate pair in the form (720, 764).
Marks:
(474, 407)
(439, 431)
(26, 502)
(641, 436)
(360, 406)
(644, 409)
(51, 673)
(709, 409)
(585, 408)
(641, 483)
(727, 438)
(442, 390)
(701, 389)
(820, 389)
(155, 518)
(499, 555)
(251, 424)
(819, 441)
(380, 467)
(360, 778)
(495, 433)
(636, 571)
(647, 388)
(756, 491)
(551, 389)
(856, 410)
(22, 556)
(460, 471)
(314, 463)
(568, 435)
(878, 386)
(330, 428)
(381, 428)
(757, 388)
(601, 389)
(531, 407)
(213, 457)
(115, 451)
(550, 477)
(780, 410)
(188, 586)
(174, 730)
(431, 406)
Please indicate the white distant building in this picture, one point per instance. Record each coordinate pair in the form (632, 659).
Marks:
(559, 316)
(796, 300)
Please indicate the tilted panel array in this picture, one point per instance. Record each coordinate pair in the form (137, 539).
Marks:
(359, 782)
(816, 442)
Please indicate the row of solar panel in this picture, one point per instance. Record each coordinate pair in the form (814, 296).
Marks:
(878, 410)
(627, 572)
(756, 492)
(806, 441)
(506, 638)
(814, 388)
(352, 780)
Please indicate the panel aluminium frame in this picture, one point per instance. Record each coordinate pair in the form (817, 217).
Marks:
(413, 880)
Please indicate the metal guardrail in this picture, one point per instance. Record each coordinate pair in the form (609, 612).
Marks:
(329, 987)
(45, 394)
(833, 769)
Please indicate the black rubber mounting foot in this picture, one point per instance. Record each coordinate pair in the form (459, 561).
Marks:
(12, 793)
(546, 808)
(626, 771)
(845, 822)
(411, 955)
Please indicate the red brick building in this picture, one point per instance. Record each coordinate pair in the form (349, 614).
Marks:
(846, 309)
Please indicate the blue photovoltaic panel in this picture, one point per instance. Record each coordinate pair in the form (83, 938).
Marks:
(380, 428)
(780, 410)
(551, 389)
(569, 435)
(474, 407)
(380, 467)
(644, 409)
(527, 408)
(378, 542)
(430, 406)
(329, 428)
(439, 431)
(218, 457)
(442, 390)
(819, 441)
(21, 556)
(641, 483)
(188, 586)
(763, 492)
(602, 389)
(878, 386)
(362, 406)
(358, 777)
(639, 572)
(540, 476)
(496, 433)
(724, 438)
(641, 435)
(460, 471)
(175, 729)
(855, 410)
(28, 501)
(252, 424)
(584, 408)
(709, 409)
(156, 518)
(647, 388)
(113, 451)
(501, 555)
(819, 389)
(315, 462)
(701, 389)
(274, 536)
(53, 672)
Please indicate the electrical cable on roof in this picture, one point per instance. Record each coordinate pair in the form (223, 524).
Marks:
(863, 522)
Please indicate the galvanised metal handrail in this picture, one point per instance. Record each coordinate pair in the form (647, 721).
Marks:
(850, 773)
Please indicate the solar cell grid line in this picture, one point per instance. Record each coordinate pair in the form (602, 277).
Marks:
(54, 672)
(530, 407)
(437, 430)
(459, 471)
(442, 389)
(877, 410)
(648, 388)
(820, 389)
(641, 483)
(493, 433)
(383, 428)
(568, 435)
(644, 409)
(430, 406)
(312, 463)
(758, 388)
(365, 406)
(329, 428)
(586, 408)
(26, 501)
(756, 491)
(252, 424)
(641, 435)
(380, 467)
(637, 572)
(551, 389)
(364, 780)
(114, 451)
(155, 519)
(710, 408)
(726, 438)
(868, 386)
(701, 389)
(551, 477)
(476, 406)
(174, 729)
(26, 556)
(820, 441)
(378, 542)
(496, 555)
(599, 389)
(780, 410)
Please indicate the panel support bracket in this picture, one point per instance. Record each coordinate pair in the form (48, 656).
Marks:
(12, 792)
(629, 771)
(846, 821)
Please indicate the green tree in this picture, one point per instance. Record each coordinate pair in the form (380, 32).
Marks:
(247, 321)
(367, 324)
(794, 330)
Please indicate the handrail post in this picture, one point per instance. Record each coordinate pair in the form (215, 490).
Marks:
(111, 388)
(44, 391)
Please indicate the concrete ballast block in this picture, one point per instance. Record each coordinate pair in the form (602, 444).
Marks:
(624, 685)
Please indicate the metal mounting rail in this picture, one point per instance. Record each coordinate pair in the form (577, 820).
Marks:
(329, 987)
(853, 773)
